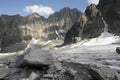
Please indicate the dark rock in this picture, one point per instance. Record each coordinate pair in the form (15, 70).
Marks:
(75, 30)
(4, 71)
(24, 73)
(92, 71)
(95, 24)
(110, 10)
(14, 48)
(103, 73)
(118, 50)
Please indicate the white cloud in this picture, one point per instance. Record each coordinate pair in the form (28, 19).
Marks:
(40, 9)
(93, 1)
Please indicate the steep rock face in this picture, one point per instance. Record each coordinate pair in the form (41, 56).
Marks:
(62, 21)
(89, 25)
(111, 12)
(10, 32)
(76, 30)
(95, 24)
(17, 28)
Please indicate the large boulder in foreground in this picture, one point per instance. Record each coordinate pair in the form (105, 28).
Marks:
(37, 58)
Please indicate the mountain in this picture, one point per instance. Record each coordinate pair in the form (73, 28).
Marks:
(89, 25)
(90, 59)
(92, 23)
(17, 28)
(110, 10)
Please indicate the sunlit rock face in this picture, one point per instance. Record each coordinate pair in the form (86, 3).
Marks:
(17, 28)
(111, 12)
(60, 22)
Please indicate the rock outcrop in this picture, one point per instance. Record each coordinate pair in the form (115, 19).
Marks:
(8, 61)
(95, 24)
(92, 72)
(110, 10)
(76, 30)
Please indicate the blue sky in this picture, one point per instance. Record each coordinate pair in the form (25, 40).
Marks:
(43, 7)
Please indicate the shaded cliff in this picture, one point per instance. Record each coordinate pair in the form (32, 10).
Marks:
(110, 10)
(76, 30)
(95, 24)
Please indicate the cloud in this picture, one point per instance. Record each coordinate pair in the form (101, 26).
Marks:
(40, 9)
(93, 1)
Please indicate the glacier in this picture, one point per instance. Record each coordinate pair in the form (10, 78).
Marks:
(100, 50)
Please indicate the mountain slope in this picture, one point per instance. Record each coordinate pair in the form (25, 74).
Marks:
(89, 25)
(17, 28)
(110, 10)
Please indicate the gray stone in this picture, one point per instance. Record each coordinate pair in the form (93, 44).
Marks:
(4, 71)
(33, 76)
(38, 58)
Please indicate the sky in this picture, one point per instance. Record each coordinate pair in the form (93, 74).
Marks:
(43, 7)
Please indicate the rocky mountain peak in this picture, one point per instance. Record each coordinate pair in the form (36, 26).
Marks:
(91, 11)
(34, 15)
(65, 13)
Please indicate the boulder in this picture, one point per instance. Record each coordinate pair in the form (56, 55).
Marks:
(118, 50)
(33, 76)
(37, 58)
(4, 71)
(24, 73)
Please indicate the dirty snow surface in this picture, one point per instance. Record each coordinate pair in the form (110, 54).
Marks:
(101, 50)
